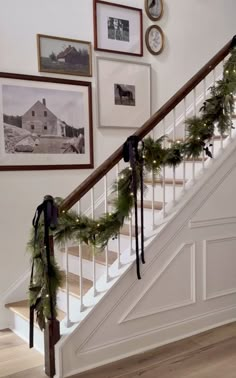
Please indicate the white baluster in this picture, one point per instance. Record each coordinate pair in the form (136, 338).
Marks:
(93, 248)
(130, 232)
(204, 99)
(153, 200)
(164, 173)
(68, 322)
(174, 172)
(80, 269)
(118, 236)
(184, 135)
(106, 209)
(195, 114)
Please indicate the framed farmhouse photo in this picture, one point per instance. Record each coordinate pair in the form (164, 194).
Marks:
(154, 9)
(118, 28)
(64, 56)
(124, 93)
(45, 123)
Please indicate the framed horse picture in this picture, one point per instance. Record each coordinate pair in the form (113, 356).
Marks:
(124, 93)
(118, 28)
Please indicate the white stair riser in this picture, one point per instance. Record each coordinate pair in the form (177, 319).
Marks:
(20, 326)
(124, 243)
(159, 192)
(74, 303)
(87, 266)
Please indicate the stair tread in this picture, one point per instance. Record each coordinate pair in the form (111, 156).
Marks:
(125, 230)
(167, 181)
(158, 205)
(87, 254)
(74, 285)
(21, 308)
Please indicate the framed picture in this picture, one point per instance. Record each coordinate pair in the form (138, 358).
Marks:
(45, 123)
(154, 9)
(64, 56)
(154, 38)
(118, 28)
(124, 93)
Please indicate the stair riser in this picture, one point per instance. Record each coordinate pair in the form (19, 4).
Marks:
(159, 192)
(20, 326)
(124, 243)
(87, 266)
(179, 170)
(74, 303)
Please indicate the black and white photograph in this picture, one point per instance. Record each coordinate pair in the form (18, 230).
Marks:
(42, 121)
(154, 9)
(64, 56)
(124, 94)
(45, 123)
(118, 29)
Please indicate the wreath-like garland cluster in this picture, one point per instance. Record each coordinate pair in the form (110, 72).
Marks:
(216, 112)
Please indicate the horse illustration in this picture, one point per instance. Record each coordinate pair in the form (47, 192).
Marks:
(125, 93)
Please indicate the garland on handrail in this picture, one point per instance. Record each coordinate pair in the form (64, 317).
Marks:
(216, 112)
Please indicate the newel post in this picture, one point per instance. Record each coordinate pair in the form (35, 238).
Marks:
(52, 327)
(51, 333)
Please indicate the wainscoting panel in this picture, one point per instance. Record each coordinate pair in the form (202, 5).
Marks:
(219, 262)
(178, 292)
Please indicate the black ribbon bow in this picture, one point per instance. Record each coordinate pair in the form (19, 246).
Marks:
(50, 213)
(132, 154)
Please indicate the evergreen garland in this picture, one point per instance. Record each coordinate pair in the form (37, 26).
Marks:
(216, 111)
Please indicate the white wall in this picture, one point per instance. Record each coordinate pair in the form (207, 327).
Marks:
(194, 31)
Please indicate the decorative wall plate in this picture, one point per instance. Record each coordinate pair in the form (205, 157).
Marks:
(154, 9)
(154, 38)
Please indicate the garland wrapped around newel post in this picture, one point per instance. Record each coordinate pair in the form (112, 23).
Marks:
(44, 281)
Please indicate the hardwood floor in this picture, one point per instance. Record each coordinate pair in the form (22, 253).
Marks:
(17, 360)
(211, 354)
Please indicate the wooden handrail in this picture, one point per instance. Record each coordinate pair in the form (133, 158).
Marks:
(157, 117)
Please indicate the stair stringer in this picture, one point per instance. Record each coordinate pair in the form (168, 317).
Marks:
(126, 322)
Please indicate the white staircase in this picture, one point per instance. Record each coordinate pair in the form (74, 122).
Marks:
(174, 298)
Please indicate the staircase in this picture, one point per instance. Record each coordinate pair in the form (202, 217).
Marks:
(101, 303)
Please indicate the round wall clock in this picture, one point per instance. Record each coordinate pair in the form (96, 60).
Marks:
(154, 9)
(154, 39)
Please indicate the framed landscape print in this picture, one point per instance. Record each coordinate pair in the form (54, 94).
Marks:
(154, 9)
(124, 93)
(64, 56)
(45, 123)
(118, 28)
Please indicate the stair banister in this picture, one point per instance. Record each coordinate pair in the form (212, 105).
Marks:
(157, 117)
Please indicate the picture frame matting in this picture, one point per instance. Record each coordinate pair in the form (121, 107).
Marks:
(123, 92)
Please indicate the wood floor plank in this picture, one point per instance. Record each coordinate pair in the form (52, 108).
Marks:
(211, 354)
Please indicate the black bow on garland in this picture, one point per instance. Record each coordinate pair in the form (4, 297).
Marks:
(50, 214)
(134, 155)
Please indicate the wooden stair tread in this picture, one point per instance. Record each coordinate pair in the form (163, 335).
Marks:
(167, 181)
(74, 284)
(87, 254)
(21, 308)
(158, 205)
(125, 230)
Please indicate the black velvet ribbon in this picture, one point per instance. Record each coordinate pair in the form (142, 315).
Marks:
(132, 154)
(50, 213)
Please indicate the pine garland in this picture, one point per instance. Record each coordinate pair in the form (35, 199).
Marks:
(216, 112)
